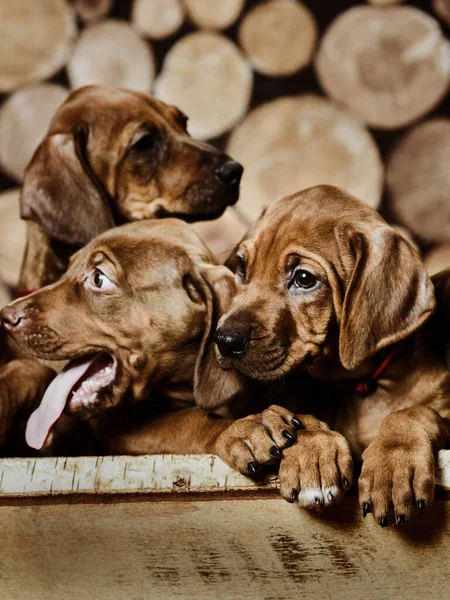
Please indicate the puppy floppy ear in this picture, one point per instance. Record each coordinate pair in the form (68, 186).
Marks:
(62, 194)
(214, 387)
(388, 297)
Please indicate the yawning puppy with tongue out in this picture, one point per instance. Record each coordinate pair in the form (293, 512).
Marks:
(130, 316)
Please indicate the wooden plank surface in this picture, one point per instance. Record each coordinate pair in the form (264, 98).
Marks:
(171, 527)
(253, 549)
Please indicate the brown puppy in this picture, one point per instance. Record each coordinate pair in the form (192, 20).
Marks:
(112, 156)
(132, 314)
(327, 288)
(131, 310)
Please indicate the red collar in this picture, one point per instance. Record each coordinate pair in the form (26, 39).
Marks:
(23, 293)
(364, 387)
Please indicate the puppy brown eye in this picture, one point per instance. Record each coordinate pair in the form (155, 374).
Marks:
(97, 279)
(304, 279)
(146, 143)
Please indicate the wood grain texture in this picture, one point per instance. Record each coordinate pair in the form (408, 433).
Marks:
(278, 36)
(207, 77)
(157, 19)
(258, 549)
(295, 142)
(13, 234)
(200, 545)
(418, 180)
(390, 65)
(24, 120)
(96, 58)
(213, 14)
(36, 40)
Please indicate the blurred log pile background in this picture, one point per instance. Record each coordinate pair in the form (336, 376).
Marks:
(321, 91)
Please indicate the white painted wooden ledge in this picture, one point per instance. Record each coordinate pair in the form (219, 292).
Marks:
(152, 474)
(161, 473)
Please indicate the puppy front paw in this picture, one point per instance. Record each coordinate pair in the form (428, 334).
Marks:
(397, 479)
(317, 470)
(257, 440)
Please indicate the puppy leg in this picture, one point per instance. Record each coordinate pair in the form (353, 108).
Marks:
(317, 470)
(245, 444)
(398, 473)
(189, 431)
(22, 385)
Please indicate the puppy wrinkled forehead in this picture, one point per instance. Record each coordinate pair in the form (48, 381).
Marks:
(312, 216)
(154, 249)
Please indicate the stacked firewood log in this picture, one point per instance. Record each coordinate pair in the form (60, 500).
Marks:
(301, 92)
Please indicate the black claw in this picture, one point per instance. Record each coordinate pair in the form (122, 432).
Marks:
(366, 509)
(294, 495)
(296, 424)
(346, 482)
(421, 505)
(286, 434)
(252, 468)
(383, 521)
(275, 452)
(401, 520)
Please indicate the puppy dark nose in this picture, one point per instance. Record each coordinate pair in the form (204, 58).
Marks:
(11, 317)
(231, 344)
(230, 172)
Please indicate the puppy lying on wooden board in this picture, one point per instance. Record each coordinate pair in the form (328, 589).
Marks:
(333, 315)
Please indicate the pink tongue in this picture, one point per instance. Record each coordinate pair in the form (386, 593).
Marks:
(54, 401)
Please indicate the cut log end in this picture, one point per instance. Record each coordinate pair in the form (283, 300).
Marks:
(12, 237)
(278, 37)
(418, 181)
(157, 19)
(222, 235)
(24, 120)
(389, 65)
(438, 259)
(296, 142)
(214, 14)
(49, 28)
(111, 52)
(92, 10)
(205, 75)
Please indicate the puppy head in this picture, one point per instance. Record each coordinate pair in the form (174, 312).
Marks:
(131, 314)
(113, 156)
(320, 275)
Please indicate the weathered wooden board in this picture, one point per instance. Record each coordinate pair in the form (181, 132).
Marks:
(189, 527)
(261, 549)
